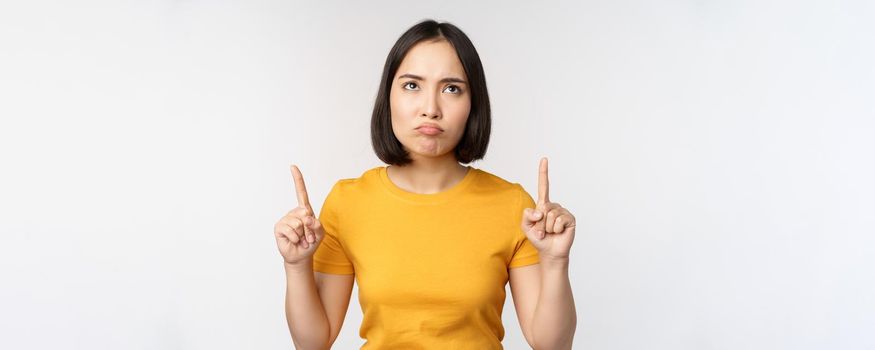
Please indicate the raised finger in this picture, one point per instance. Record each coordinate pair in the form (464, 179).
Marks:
(543, 182)
(300, 188)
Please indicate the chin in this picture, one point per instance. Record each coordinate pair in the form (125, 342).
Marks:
(428, 148)
(422, 153)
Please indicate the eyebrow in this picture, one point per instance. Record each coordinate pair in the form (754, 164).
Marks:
(444, 80)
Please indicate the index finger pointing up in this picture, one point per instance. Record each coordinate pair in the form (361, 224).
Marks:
(300, 189)
(543, 183)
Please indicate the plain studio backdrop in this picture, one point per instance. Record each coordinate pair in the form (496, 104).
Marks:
(718, 156)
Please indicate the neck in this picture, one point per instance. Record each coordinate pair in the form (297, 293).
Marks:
(428, 175)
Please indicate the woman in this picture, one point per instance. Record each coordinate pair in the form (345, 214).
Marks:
(432, 243)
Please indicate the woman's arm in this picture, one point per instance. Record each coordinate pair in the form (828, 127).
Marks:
(305, 314)
(550, 228)
(316, 303)
(555, 318)
(544, 304)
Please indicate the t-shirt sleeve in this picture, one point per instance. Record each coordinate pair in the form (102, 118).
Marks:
(524, 252)
(330, 257)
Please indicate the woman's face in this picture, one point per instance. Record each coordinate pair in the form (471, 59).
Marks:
(430, 87)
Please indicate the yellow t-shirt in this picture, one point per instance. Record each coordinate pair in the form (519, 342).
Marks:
(431, 268)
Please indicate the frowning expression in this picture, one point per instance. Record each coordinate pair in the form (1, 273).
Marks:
(430, 100)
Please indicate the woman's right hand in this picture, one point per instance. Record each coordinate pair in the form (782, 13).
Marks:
(299, 232)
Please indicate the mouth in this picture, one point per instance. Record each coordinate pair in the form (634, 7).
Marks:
(429, 130)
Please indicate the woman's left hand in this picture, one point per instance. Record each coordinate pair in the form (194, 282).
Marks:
(549, 226)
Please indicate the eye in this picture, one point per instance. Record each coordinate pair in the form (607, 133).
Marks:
(456, 89)
(409, 83)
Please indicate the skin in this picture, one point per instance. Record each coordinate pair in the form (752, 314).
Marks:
(421, 93)
(542, 292)
(429, 86)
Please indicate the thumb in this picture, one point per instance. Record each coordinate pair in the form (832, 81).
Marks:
(316, 227)
(530, 217)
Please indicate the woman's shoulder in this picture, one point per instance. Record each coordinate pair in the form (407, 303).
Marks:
(367, 178)
(488, 178)
(497, 184)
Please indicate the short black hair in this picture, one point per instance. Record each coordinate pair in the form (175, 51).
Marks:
(472, 146)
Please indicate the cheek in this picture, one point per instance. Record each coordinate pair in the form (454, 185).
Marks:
(458, 116)
(399, 108)
(395, 110)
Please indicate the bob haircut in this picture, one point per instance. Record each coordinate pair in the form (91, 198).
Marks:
(472, 146)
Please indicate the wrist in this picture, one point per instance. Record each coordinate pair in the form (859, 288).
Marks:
(305, 265)
(554, 262)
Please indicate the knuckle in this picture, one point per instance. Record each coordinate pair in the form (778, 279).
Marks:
(298, 212)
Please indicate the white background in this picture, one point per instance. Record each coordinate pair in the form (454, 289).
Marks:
(718, 156)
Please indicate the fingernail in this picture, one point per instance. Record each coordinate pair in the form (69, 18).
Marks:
(537, 215)
(540, 234)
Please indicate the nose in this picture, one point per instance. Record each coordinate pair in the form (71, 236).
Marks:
(431, 109)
